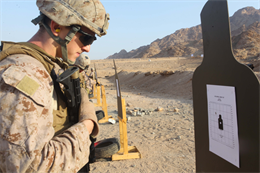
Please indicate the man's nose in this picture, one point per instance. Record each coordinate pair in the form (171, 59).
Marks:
(86, 48)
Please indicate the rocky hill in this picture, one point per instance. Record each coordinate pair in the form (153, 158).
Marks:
(247, 44)
(245, 33)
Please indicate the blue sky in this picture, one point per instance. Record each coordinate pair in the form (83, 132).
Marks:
(133, 23)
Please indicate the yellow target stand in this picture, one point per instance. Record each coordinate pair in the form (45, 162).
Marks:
(94, 92)
(125, 152)
(104, 107)
(98, 96)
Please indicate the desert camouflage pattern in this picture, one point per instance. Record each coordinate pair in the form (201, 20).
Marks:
(26, 122)
(84, 74)
(82, 61)
(82, 78)
(90, 82)
(89, 13)
(92, 73)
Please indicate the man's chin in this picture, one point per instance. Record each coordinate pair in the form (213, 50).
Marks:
(72, 58)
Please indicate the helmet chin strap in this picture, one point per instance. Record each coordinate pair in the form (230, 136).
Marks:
(63, 43)
(70, 62)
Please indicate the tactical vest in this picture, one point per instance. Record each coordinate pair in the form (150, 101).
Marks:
(60, 116)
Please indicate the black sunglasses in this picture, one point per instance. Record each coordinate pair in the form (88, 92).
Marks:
(86, 39)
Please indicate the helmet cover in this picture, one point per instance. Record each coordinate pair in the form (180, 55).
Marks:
(82, 61)
(88, 13)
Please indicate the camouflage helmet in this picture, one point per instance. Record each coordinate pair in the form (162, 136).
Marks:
(82, 61)
(88, 13)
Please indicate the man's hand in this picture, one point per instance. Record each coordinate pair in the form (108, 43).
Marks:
(87, 113)
(89, 124)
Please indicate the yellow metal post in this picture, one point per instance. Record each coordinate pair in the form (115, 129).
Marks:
(104, 106)
(98, 97)
(126, 152)
(94, 90)
(121, 135)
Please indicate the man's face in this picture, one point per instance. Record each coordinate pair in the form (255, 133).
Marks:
(75, 47)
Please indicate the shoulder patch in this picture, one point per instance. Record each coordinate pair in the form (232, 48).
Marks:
(25, 81)
(28, 85)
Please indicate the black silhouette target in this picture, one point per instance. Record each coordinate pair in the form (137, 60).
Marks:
(219, 67)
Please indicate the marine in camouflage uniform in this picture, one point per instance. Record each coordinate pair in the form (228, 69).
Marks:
(89, 84)
(36, 134)
(83, 62)
(91, 79)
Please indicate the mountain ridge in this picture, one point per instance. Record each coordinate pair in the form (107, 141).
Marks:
(244, 25)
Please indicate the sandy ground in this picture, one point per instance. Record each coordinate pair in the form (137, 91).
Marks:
(164, 138)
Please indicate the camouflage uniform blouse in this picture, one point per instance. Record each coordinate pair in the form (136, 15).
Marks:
(26, 122)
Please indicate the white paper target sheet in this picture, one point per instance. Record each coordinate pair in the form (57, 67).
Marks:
(222, 123)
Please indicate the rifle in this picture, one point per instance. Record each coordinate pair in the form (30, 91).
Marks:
(95, 73)
(70, 80)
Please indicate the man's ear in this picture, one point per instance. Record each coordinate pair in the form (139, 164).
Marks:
(55, 28)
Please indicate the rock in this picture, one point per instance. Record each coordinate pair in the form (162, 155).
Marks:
(129, 112)
(112, 121)
(166, 73)
(140, 114)
(175, 110)
(148, 73)
(159, 108)
(141, 110)
(178, 137)
(128, 105)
